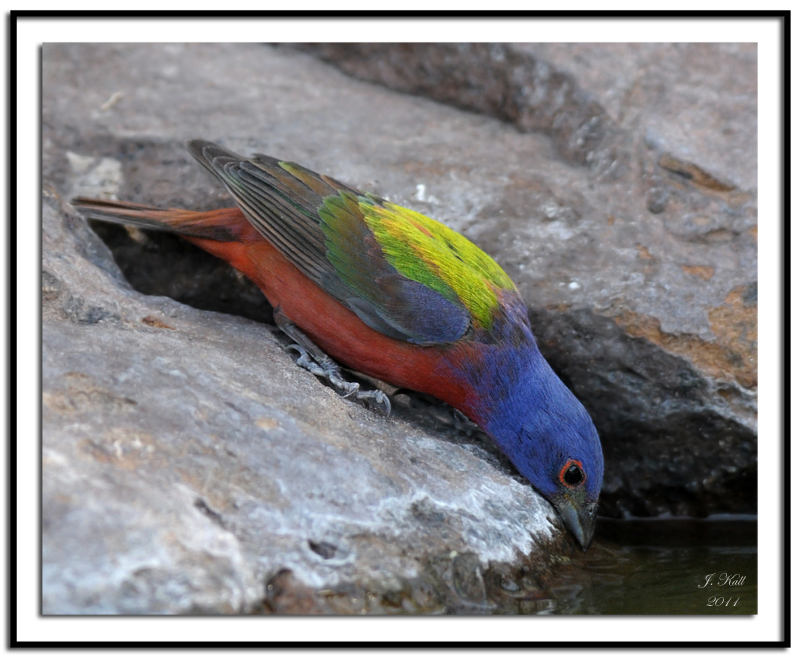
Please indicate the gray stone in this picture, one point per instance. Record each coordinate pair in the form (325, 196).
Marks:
(490, 78)
(187, 462)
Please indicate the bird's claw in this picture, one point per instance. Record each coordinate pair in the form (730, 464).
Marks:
(376, 397)
(329, 371)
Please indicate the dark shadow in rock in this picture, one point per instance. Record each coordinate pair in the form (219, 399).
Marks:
(162, 264)
(668, 448)
(323, 548)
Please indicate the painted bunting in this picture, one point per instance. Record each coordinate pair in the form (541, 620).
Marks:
(387, 291)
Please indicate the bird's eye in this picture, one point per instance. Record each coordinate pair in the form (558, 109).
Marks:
(572, 473)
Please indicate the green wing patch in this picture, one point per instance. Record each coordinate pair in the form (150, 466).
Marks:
(430, 253)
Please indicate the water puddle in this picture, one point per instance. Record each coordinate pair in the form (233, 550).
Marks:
(658, 567)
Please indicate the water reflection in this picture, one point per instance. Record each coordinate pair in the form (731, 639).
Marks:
(664, 567)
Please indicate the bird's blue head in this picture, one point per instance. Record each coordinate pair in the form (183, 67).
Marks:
(545, 432)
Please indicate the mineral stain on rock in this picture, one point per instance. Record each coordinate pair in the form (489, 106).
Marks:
(155, 322)
(733, 352)
(693, 173)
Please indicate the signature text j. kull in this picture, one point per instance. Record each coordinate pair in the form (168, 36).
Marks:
(723, 579)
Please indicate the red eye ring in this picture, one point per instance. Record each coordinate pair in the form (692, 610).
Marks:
(569, 472)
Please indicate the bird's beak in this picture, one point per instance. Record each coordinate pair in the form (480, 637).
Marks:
(578, 517)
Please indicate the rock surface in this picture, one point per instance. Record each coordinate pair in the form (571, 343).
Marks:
(190, 467)
(178, 443)
(640, 270)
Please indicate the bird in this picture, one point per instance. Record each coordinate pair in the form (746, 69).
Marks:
(358, 281)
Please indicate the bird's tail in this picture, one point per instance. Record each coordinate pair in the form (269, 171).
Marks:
(225, 225)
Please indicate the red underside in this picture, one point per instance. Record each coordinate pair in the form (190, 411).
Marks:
(337, 330)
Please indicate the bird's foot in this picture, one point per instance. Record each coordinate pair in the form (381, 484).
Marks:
(325, 369)
(328, 370)
(316, 361)
(376, 398)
